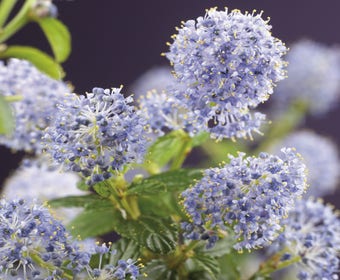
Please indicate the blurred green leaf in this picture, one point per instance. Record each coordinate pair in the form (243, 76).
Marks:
(6, 117)
(158, 270)
(206, 263)
(86, 201)
(94, 221)
(170, 181)
(58, 36)
(126, 249)
(41, 60)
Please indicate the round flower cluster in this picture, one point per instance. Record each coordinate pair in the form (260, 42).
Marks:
(228, 63)
(36, 180)
(157, 78)
(32, 242)
(249, 195)
(321, 158)
(33, 113)
(313, 77)
(97, 134)
(44, 8)
(312, 233)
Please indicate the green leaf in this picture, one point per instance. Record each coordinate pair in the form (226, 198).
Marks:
(156, 234)
(95, 221)
(222, 247)
(86, 201)
(158, 270)
(230, 266)
(161, 205)
(58, 36)
(200, 138)
(6, 117)
(166, 148)
(126, 249)
(41, 60)
(206, 263)
(170, 181)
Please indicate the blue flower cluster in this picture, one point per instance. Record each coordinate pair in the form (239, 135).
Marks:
(247, 198)
(37, 180)
(98, 134)
(313, 77)
(120, 271)
(44, 8)
(321, 158)
(228, 63)
(312, 232)
(40, 95)
(33, 243)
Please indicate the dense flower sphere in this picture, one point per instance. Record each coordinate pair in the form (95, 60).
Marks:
(228, 63)
(39, 95)
(248, 198)
(321, 158)
(312, 232)
(313, 77)
(97, 134)
(32, 242)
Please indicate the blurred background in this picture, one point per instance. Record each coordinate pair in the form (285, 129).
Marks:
(114, 42)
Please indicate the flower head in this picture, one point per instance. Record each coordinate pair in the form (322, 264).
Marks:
(313, 77)
(312, 233)
(249, 195)
(97, 134)
(37, 180)
(321, 158)
(33, 113)
(228, 63)
(33, 242)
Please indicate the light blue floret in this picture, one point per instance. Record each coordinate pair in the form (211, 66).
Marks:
(97, 134)
(313, 77)
(312, 232)
(40, 95)
(228, 63)
(249, 195)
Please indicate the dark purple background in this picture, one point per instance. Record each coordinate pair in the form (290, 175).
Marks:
(115, 41)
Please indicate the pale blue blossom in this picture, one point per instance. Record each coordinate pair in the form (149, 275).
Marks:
(34, 112)
(312, 232)
(247, 198)
(321, 158)
(226, 64)
(313, 77)
(38, 180)
(97, 134)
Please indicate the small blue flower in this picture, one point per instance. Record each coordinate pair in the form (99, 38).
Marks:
(313, 77)
(40, 95)
(321, 158)
(44, 8)
(123, 269)
(228, 63)
(30, 237)
(97, 134)
(247, 198)
(312, 232)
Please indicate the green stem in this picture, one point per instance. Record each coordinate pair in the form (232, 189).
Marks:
(13, 98)
(6, 7)
(130, 204)
(274, 264)
(183, 152)
(284, 125)
(21, 18)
